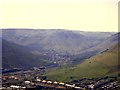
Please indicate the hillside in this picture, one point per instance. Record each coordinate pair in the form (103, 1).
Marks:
(61, 46)
(14, 55)
(102, 64)
(59, 40)
(106, 43)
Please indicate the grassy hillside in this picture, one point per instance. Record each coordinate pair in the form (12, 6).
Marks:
(105, 63)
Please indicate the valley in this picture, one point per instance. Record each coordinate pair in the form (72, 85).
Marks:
(66, 56)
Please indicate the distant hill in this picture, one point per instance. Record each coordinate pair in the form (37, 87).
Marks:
(61, 41)
(106, 43)
(14, 55)
(61, 46)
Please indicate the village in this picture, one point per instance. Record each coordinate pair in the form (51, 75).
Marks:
(35, 78)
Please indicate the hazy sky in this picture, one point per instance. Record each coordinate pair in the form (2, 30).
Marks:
(85, 15)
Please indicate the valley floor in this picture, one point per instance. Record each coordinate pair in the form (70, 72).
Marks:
(36, 79)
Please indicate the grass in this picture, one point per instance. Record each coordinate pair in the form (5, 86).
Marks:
(72, 73)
